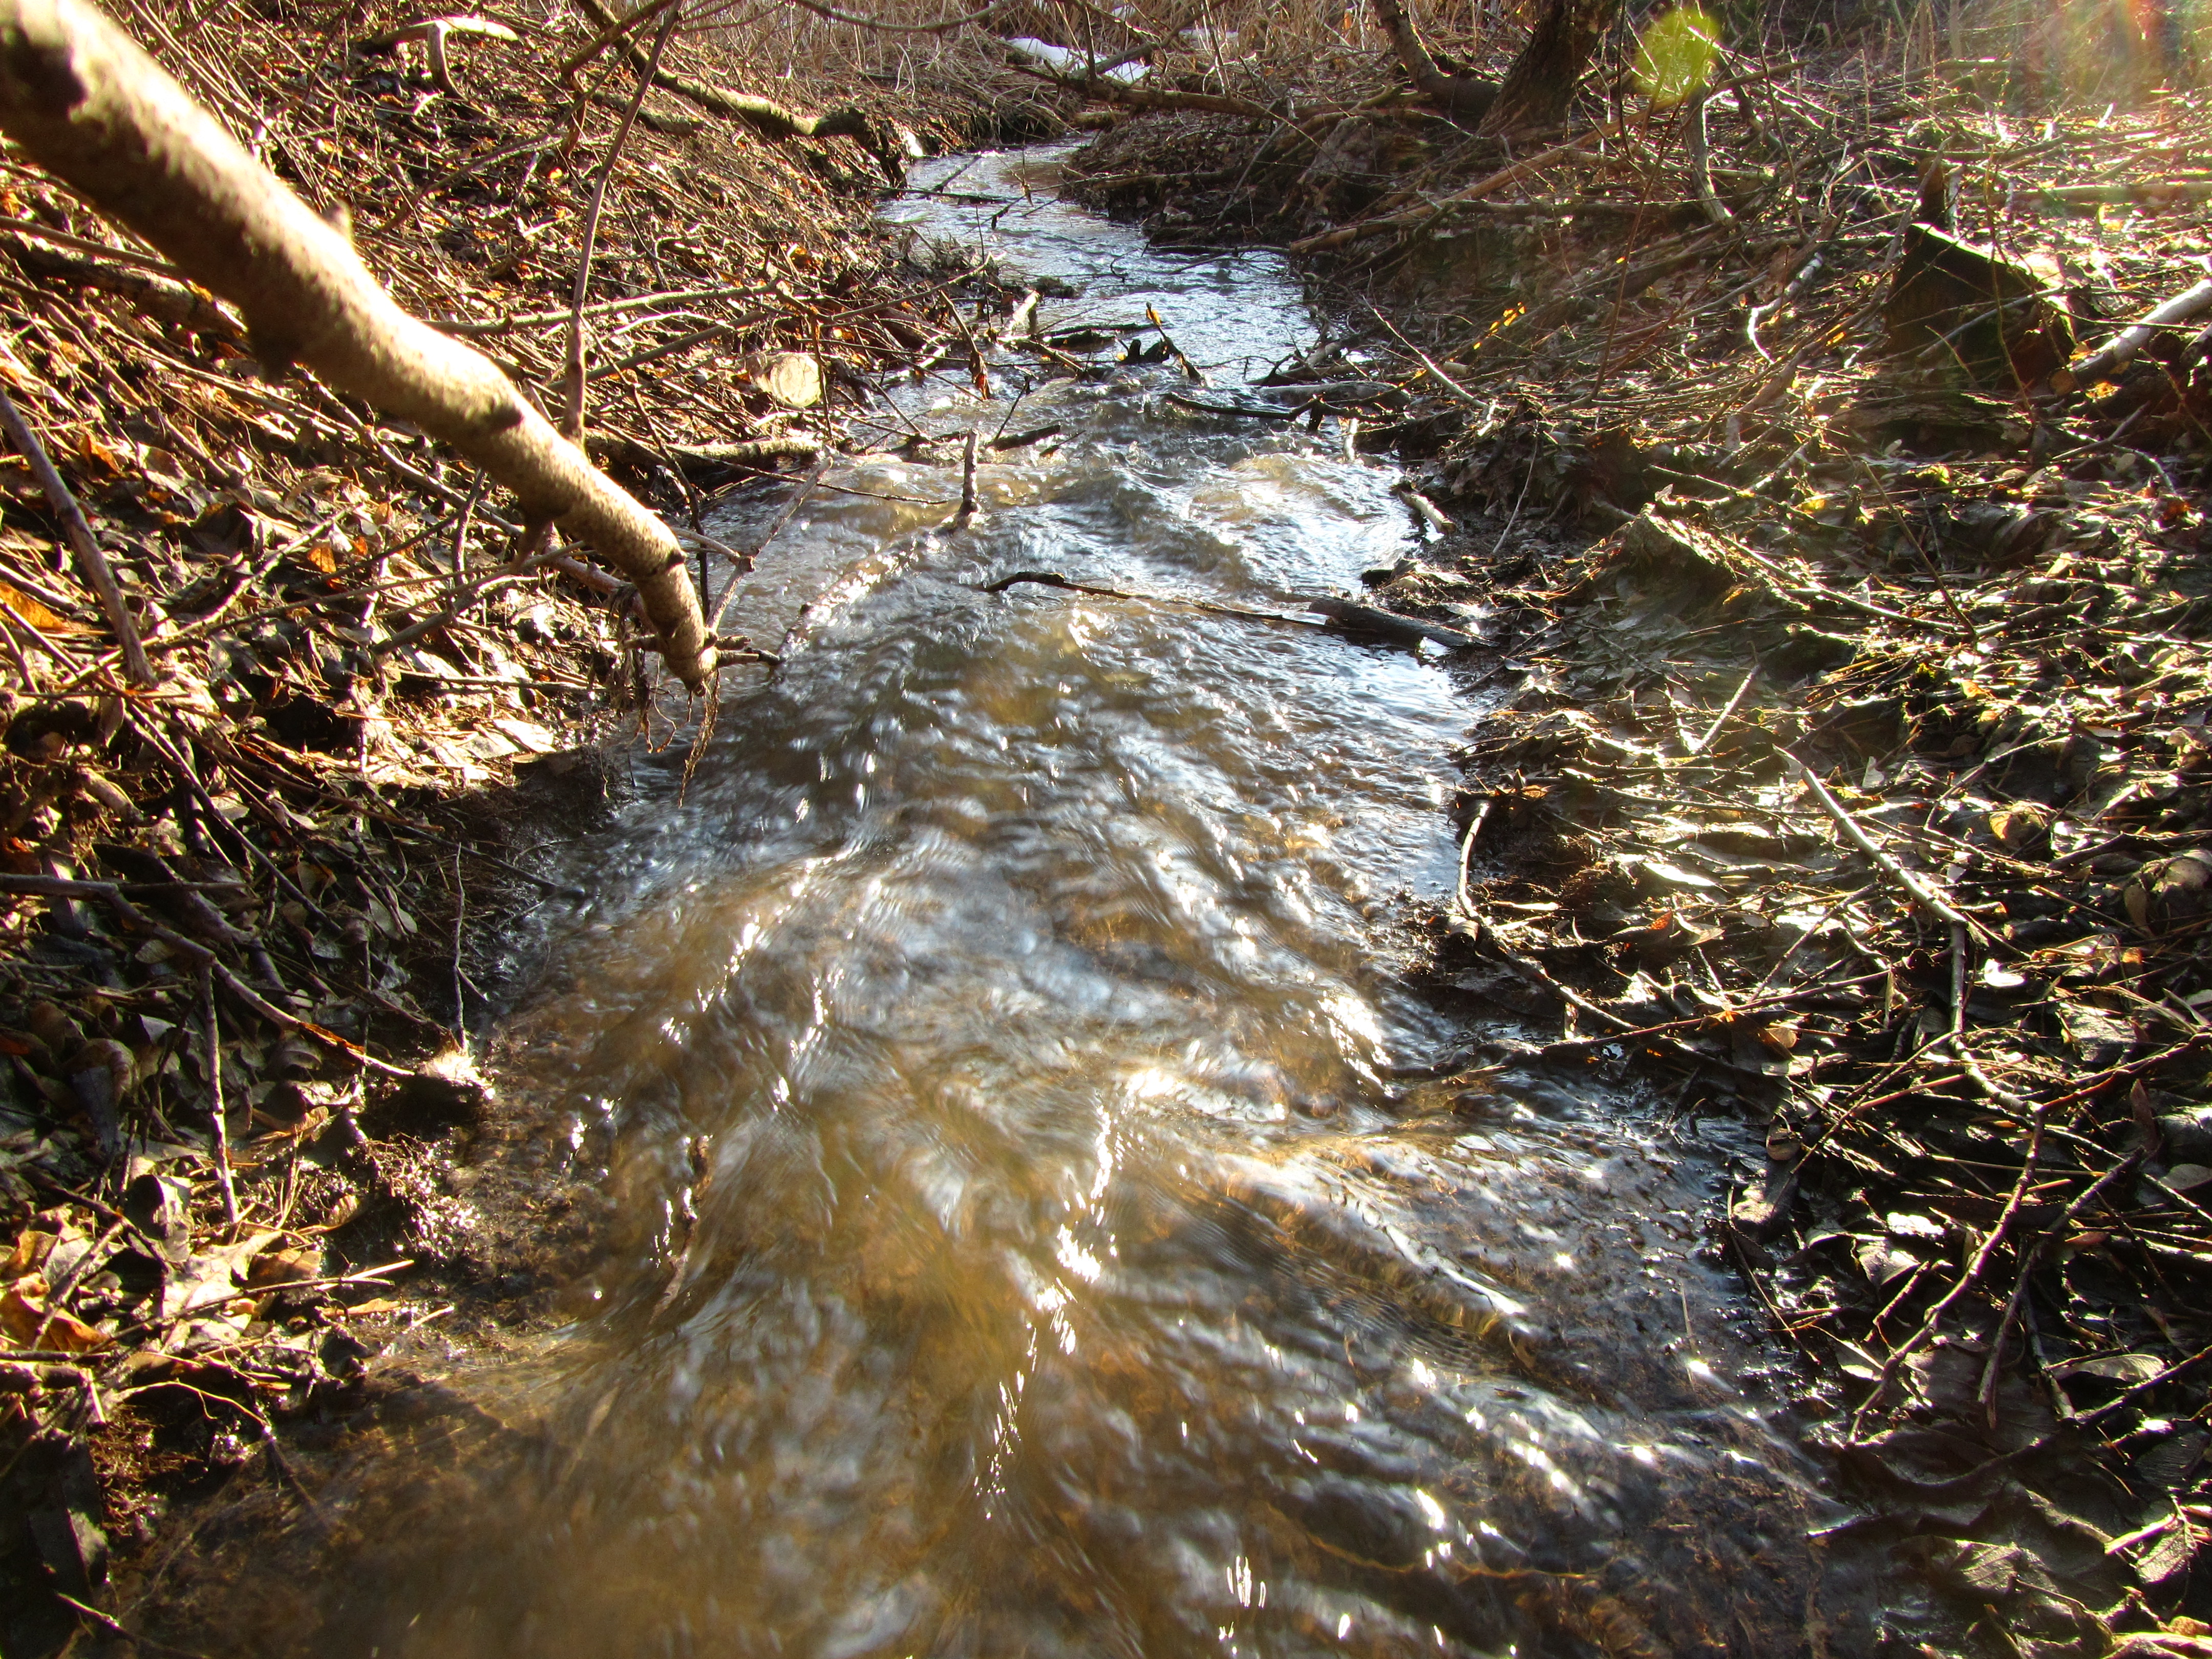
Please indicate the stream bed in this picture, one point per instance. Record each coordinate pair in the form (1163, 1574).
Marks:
(1017, 1229)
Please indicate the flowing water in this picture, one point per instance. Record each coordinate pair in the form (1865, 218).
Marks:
(1017, 1235)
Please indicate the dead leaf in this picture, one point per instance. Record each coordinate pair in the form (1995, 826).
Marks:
(28, 1323)
(2112, 1367)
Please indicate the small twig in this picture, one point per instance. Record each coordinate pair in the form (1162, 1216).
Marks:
(1463, 898)
(1916, 886)
(1701, 745)
(460, 920)
(2130, 1396)
(1965, 1282)
(572, 379)
(461, 529)
(211, 1036)
(791, 511)
(967, 482)
(93, 562)
(116, 1627)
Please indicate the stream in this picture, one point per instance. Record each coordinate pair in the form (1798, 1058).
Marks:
(1020, 1227)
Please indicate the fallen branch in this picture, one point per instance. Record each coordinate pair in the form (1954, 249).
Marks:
(1106, 89)
(770, 120)
(1343, 236)
(1724, 716)
(465, 329)
(171, 301)
(759, 453)
(2175, 193)
(697, 336)
(943, 26)
(86, 104)
(90, 559)
(2115, 354)
(432, 34)
(1916, 886)
(1697, 143)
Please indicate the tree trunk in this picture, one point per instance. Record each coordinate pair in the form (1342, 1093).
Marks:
(1537, 89)
(1541, 83)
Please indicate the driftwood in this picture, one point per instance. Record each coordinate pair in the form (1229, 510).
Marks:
(83, 101)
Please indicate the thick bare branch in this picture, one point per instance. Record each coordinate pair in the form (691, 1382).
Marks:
(86, 104)
(770, 120)
(1457, 96)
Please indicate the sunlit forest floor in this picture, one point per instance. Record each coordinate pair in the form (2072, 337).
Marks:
(1850, 554)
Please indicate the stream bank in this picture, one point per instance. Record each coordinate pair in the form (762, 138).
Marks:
(1729, 519)
(365, 732)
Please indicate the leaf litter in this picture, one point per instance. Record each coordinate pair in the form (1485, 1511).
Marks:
(1843, 565)
(269, 877)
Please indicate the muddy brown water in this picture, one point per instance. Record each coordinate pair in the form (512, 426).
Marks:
(1019, 1237)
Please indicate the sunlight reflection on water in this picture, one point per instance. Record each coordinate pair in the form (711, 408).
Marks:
(1015, 1241)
